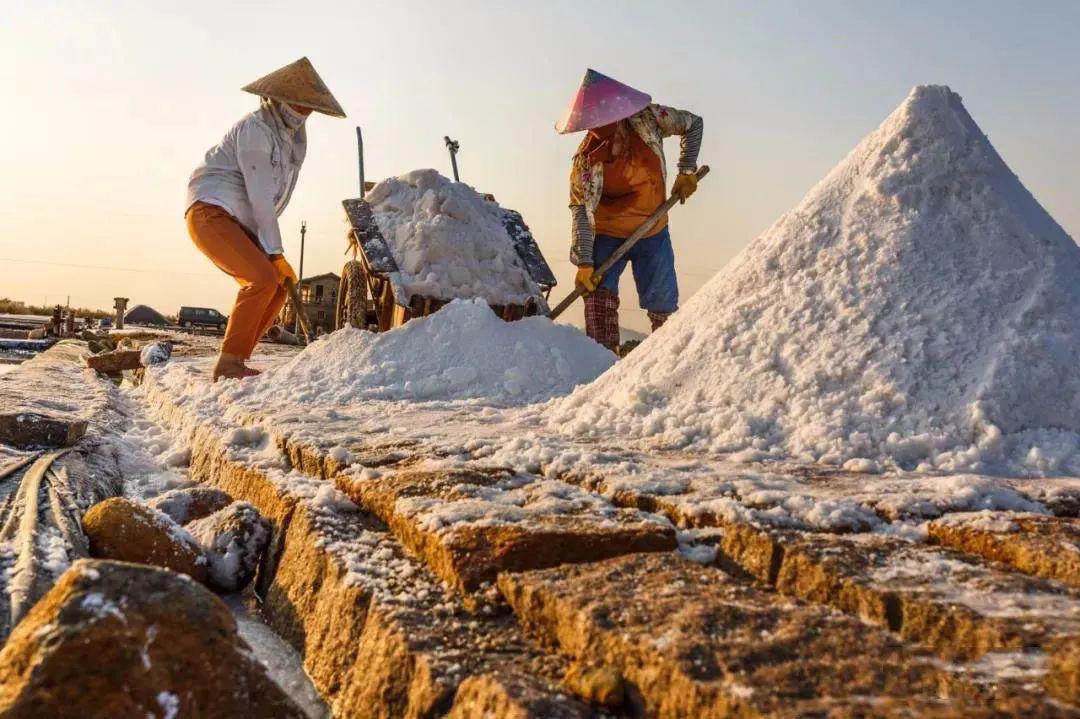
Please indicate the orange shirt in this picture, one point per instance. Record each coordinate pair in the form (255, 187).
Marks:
(633, 188)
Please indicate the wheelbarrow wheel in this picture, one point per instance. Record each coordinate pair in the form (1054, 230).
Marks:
(352, 296)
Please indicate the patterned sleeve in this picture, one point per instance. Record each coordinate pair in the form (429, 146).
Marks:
(581, 236)
(680, 122)
(581, 231)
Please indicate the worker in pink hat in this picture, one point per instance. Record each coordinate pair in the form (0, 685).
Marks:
(618, 178)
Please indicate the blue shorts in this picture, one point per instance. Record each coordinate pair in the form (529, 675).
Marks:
(653, 261)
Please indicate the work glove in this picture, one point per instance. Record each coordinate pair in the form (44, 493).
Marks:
(685, 185)
(584, 278)
(283, 268)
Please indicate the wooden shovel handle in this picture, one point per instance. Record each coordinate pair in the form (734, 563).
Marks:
(625, 246)
(298, 308)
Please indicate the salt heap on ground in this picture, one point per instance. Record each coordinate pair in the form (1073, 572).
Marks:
(461, 352)
(449, 241)
(919, 309)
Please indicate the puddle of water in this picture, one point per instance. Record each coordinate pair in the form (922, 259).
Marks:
(282, 662)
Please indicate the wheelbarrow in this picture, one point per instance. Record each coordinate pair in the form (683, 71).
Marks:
(372, 295)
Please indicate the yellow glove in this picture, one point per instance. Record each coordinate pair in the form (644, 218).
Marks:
(584, 278)
(685, 185)
(283, 268)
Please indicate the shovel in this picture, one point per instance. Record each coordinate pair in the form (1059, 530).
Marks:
(626, 246)
(298, 308)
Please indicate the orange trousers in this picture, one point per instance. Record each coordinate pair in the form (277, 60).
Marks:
(227, 243)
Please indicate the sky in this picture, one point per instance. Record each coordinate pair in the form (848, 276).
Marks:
(110, 105)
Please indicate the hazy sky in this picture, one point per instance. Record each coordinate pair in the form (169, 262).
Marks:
(108, 106)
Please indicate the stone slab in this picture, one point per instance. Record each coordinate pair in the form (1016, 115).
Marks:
(380, 635)
(1040, 545)
(48, 400)
(468, 525)
(695, 642)
(115, 361)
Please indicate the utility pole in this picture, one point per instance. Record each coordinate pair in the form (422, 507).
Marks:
(300, 277)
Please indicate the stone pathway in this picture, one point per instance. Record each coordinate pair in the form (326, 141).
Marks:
(416, 583)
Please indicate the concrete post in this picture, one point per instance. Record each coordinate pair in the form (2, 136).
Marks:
(121, 308)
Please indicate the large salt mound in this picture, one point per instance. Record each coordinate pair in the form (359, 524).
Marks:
(461, 352)
(448, 241)
(918, 309)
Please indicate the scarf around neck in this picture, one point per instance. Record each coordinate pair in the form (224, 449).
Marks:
(288, 124)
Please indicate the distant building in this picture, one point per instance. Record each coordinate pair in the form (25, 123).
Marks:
(319, 295)
(145, 315)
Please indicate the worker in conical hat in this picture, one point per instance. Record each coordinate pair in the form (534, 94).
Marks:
(235, 196)
(618, 178)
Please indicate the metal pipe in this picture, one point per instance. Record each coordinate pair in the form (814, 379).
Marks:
(453, 146)
(360, 158)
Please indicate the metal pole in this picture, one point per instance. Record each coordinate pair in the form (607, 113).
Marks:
(453, 146)
(360, 158)
(300, 276)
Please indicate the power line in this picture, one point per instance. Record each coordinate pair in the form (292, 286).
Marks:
(143, 270)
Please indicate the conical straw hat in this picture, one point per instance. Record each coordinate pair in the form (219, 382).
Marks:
(601, 101)
(297, 83)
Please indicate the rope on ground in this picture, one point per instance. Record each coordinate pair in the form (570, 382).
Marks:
(20, 525)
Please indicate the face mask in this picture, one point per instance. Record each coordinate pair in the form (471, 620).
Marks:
(292, 118)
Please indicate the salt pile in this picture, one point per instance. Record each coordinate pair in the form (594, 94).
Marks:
(448, 241)
(919, 309)
(461, 352)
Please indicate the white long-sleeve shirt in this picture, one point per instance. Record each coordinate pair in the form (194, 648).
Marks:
(251, 173)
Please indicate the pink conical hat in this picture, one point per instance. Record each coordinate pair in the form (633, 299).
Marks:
(601, 101)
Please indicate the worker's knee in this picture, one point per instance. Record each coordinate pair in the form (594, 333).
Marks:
(262, 280)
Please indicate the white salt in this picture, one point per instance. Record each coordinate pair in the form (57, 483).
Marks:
(461, 352)
(918, 309)
(449, 241)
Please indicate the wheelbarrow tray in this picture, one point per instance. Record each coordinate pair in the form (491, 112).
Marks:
(394, 306)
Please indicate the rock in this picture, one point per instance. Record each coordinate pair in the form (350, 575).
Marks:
(510, 696)
(49, 400)
(191, 503)
(912, 589)
(155, 353)
(469, 526)
(601, 685)
(115, 361)
(694, 641)
(233, 539)
(1063, 677)
(282, 336)
(113, 639)
(375, 642)
(1044, 546)
(28, 429)
(121, 529)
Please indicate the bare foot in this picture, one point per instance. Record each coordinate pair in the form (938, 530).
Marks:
(232, 368)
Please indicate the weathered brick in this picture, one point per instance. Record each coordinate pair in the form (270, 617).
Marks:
(1040, 545)
(693, 642)
(468, 526)
(380, 636)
